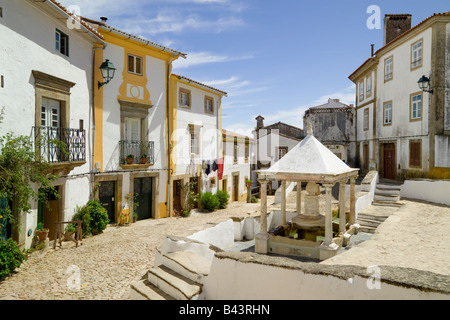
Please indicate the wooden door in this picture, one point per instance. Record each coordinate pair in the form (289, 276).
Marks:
(389, 161)
(48, 214)
(177, 197)
(143, 188)
(106, 196)
(235, 191)
(366, 156)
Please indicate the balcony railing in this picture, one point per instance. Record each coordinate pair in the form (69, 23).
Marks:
(56, 145)
(137, 149)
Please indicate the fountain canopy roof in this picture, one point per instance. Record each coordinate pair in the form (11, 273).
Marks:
(310, 160)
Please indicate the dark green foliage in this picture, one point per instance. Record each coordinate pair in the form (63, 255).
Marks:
(223, 197)
(94, 217)
(210, 201)
(10, 257)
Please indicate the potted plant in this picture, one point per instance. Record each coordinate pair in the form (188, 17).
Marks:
(248, 182)
(143, 159)
(130, 158)
(41, 232)
(70, 231)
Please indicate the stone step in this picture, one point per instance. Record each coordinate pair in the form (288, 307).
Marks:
(188, 264)
(387, 191)
(384, 197)
(367, 229)
(368, 222)
(397, 204)
(379, 218)
(174, 284)
(144, 290)
(388, 187)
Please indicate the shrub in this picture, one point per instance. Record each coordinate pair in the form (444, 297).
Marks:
(99, 216)
(82, 214)
(10, 257)
(223, 197)
(93, 216)
(210, 201)
(254, 199)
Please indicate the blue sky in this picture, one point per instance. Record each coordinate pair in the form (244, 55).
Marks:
(274, 58)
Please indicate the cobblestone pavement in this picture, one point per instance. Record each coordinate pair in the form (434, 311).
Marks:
(107, 263)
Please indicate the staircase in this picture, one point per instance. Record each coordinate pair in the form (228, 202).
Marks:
(386, 202)
(176, 275)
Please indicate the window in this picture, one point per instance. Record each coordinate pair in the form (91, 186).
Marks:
(388, 68)
(415, 154)
(195, 148)
(134, 64)
(416, 106)
(62, 42)
(361, 91)
(209, 105)
(235, 151)
(247, 150)
(282, 152)
(416, 54)
(185, 98)
(369, 86)
(387, 113)
(366, 119)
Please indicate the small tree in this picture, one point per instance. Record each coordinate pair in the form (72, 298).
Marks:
(20, 168)
(190, 197)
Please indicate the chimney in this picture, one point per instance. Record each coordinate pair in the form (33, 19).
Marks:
(373, 50)
(395, 25)
(259, 122)
(104, 19)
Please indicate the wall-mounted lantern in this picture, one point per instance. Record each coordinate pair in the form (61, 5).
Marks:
(108, 71)
(424, 84)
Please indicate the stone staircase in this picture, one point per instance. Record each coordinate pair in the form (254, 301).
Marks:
(386, 202)
(176, 275)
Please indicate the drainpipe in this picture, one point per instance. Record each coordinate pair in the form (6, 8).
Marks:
(169, 146)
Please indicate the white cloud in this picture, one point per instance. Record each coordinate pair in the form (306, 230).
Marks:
(198, 58)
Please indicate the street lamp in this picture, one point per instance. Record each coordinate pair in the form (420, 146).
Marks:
(108, 71)
(424, 84)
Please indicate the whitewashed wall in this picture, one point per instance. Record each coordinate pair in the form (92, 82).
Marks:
(27, 37)
(437, 191)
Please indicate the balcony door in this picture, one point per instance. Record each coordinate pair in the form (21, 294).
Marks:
(133, 129)
(51, 113)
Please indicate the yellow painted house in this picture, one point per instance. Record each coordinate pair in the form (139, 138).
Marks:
(131, 124)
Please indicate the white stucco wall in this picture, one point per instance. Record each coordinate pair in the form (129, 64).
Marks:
(231, 279)
(27, 37)
(436, 191)
(209, 134)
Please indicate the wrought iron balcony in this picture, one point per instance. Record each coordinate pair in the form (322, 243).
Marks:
(137, 149)
(57, 145)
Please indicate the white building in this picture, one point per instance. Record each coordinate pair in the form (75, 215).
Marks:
(236, 172)
(46, 70)
(195, 117)
(270, 144)
(401, 130)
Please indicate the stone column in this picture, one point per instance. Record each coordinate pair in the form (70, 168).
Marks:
(328, 215)
(283, 202)
(299, 197)
(263, 193)
(342, 210)
(262, 238)
(352, 218)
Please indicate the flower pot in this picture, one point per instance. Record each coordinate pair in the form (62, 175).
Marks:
(143, 160)
(129, 160)
(42, 234)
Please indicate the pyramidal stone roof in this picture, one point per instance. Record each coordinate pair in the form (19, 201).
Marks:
(309, 158)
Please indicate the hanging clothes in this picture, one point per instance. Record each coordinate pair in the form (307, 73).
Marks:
(215, 165)
(208, 167)
(220, 168)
